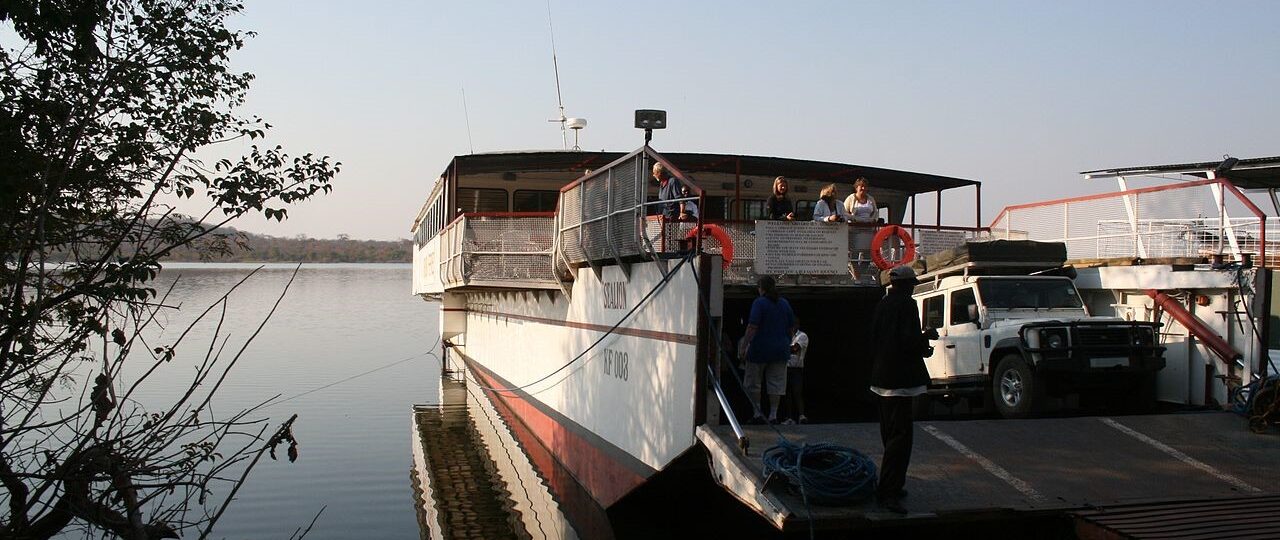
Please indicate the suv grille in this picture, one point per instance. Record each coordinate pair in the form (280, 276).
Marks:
(1103, 337)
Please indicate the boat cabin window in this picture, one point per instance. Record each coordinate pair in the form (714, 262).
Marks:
(804, 210)
(933, 312)
(753, 209)
(534, 200)
(482, 200)
(431, 223)
(960, 302)
(717, 207)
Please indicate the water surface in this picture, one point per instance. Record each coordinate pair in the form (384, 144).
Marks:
(346, 350)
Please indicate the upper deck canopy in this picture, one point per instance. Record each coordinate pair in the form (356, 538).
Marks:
(694, 163)
(1252, 173)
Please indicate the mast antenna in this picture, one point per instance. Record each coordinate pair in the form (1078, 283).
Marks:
(566, 123)
(467, 116)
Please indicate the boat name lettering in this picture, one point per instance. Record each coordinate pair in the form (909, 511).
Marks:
(615, 295)
(616, 364)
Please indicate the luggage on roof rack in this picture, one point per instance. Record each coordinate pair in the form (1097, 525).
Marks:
(994, 257)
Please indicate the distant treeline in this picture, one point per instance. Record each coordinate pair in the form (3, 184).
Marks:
(249, 247)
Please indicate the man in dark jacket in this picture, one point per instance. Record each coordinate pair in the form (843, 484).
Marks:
(897, 376)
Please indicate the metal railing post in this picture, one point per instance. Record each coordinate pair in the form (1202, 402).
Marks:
(743, 442)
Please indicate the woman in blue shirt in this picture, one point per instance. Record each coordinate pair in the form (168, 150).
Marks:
(828, 208)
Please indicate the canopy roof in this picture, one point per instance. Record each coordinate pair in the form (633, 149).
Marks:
(1252, 173)
(694, 163)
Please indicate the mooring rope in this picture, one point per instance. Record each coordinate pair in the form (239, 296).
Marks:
(823, 473)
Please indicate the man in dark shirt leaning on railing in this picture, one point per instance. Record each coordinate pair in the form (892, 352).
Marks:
(669, 189)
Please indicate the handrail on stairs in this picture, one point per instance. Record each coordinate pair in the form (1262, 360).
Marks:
(743, 443)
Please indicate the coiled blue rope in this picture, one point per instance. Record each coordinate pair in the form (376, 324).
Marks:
(825, 474)
(1242, 398)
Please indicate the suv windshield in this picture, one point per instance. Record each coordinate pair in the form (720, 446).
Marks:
(1028, 293)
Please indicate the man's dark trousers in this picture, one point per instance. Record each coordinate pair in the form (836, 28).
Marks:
(896, 434)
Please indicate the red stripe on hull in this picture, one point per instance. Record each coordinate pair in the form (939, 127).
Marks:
(621, 330)
(603, 477)
(587, 516)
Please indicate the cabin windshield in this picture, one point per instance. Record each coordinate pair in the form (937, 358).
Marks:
(1029, 293)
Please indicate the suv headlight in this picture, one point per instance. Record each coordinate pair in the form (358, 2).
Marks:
(1053, 338)
(1054, 341)
(1144, 335)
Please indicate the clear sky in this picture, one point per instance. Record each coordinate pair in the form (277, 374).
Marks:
(1019, 95)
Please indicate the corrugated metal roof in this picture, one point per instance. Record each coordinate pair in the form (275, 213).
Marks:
(1250, 173)
(1243, 517)
(694, 163)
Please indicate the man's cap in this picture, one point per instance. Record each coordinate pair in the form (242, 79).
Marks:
(902, 273)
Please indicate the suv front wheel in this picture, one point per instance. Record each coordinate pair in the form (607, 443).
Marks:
(1015, 388)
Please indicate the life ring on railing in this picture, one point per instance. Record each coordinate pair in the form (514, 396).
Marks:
(715, 231)
(877, 243)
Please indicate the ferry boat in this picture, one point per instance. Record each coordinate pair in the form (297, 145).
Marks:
(602, 326)
(565, 292)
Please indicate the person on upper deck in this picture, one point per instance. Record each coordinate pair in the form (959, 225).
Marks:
(669, 189)
(690, 207)
(828, 208)
(860, 206)
(780, 207)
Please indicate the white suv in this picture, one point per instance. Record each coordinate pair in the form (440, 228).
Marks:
(1018, 339)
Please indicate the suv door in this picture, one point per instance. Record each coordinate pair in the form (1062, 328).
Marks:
(932, 315)
(963, 334)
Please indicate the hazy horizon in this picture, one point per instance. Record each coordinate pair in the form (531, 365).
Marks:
(1020, 96)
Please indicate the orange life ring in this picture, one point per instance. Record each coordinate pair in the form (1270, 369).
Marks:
(877, 243)
(726, 245)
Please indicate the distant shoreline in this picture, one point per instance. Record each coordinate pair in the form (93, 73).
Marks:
(59, 264)
(256, 248)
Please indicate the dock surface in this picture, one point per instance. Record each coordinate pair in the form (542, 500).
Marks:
(981, 469)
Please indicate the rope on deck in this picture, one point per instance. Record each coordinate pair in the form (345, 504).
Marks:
(825, 474)
(1259, 401)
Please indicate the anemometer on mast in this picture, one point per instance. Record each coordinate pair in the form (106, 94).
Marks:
(576, 124)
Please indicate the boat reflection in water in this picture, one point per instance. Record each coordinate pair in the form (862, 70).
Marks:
(479, 473)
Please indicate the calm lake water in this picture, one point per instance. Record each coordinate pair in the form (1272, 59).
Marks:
(357, 328)
(350, 350)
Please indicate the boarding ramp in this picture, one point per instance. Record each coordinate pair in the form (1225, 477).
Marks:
(986, 473)
(1204, 219)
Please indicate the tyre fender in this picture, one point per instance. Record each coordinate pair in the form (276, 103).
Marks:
(1009, 345)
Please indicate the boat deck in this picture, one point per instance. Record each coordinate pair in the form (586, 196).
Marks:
(976, 470)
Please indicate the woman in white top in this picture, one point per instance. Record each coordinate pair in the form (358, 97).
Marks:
(860, 206)
(828, 209)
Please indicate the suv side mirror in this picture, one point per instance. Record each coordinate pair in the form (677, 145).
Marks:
(973, 314)
(930, 333)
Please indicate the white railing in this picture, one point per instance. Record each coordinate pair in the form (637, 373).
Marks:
(512, 250)
(668, 236)
(1208, 218)
(599, 217)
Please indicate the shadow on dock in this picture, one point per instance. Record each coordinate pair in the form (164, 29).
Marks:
(1036, 476)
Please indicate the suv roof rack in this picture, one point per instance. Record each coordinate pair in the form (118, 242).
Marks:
(988, 268)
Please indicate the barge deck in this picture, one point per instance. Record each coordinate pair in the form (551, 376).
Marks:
(986, 470)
